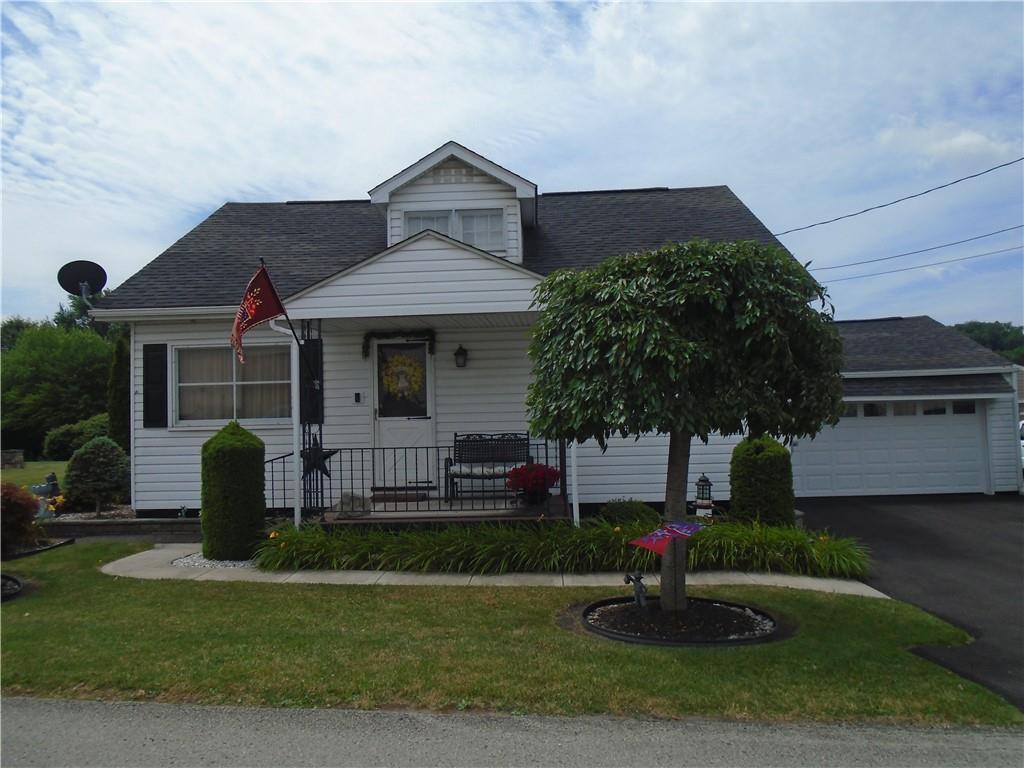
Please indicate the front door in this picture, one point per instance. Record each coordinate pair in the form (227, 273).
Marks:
(403, 414)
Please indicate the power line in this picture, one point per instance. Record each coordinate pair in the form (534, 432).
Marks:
(922, 266)
(900, 200)
(923, 250)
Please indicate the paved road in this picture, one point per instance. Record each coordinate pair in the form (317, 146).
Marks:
(39, 732)
(958, 557)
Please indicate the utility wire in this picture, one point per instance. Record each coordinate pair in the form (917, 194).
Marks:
(900, 200)
(923, 250)
(922, 266)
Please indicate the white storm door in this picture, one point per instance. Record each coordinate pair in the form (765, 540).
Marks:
(403, 414)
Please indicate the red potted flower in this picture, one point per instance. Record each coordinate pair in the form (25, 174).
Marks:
(532, 481)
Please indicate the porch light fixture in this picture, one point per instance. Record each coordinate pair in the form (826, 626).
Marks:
(461, 356)
(704, 501)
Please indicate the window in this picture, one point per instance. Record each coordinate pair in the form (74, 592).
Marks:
(417, 221)
(213, 386)
(874, 409)
(904, 409)
(934, 409)
(963, 406)
(850, 411)
(483, 229)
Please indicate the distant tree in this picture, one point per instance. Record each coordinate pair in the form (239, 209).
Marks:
(119, 394)
(1005, 338)
(50, 377)
(76, 315)
(684, 340)
(12, 327)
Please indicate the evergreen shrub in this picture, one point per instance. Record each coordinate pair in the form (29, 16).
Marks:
(18, 528)
(761, 482)
(618, 511)
(233, 504)
(97, 474)
(62, 441)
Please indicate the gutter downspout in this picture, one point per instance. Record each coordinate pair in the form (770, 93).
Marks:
(296, 425)
(575, 487)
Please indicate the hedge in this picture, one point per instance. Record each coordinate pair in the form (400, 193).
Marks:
(64, 440)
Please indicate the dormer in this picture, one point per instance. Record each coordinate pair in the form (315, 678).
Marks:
(459, 193)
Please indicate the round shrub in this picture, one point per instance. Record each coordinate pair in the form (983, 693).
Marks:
(64, 440)
(618, 511)
(18, 529)
(97, 474)
(761, 479)
(233, 505)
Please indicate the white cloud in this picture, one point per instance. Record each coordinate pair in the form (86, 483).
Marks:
(125, 124)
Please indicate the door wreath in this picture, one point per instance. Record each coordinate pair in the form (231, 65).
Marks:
(402, 377)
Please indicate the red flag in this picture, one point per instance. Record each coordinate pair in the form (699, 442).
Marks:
(259, 304)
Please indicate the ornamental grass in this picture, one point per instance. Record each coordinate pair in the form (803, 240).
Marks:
(557, 547)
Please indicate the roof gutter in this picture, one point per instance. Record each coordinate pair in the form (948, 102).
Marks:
(1008, 368)
(162, 313)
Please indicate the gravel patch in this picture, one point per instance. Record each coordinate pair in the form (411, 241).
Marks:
(198, 561)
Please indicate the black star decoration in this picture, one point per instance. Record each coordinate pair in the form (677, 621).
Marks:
(314, 459)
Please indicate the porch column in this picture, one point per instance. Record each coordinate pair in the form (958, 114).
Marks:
(296, 433)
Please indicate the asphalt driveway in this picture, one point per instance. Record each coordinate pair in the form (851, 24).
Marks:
(958, 557)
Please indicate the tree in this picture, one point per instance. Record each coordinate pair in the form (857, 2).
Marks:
(51, 377)
(119, 398)
(684, 340)
(1006, 339)
(12, 328)
(76, 315)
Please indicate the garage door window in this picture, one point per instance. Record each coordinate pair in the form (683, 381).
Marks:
(874, 409)
(963, 406)
(934, 409)
(904, 409)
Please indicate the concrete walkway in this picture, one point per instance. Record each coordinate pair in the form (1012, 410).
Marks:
(156, 563)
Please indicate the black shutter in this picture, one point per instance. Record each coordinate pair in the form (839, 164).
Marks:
(154, 385)
(311, 398)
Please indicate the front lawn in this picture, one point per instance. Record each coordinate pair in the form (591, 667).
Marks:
(82, 634)
(33, 473)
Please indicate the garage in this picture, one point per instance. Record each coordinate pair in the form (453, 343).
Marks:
(927, 411)
(896, 447)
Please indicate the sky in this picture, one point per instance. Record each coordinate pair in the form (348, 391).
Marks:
(124, 125)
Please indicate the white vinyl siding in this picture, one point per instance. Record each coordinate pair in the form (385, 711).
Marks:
(1003, 443)
(426, 277)
(166, 461)
(456, 186)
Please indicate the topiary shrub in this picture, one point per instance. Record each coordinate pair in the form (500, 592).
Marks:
(233, 504)
(619, 511)
(18, 529)
(97, 474)
(761, 479)
(64, 440)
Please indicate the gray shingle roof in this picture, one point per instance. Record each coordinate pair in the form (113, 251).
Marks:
(304, 243)
(926, 386)
(910, 343)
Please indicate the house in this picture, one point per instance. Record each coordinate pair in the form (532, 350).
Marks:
(413, 307)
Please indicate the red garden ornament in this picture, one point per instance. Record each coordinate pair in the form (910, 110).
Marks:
(658, 540)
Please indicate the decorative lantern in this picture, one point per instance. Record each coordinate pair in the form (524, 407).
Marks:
(461, 356)
(704, 500)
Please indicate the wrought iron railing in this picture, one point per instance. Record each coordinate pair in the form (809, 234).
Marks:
(463, 477)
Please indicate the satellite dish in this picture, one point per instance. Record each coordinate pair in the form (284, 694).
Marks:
(82, 278)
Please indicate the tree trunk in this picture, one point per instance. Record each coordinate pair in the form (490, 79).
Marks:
(673, 562)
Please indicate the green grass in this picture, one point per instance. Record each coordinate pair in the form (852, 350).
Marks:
(82, 634)
(33, 473)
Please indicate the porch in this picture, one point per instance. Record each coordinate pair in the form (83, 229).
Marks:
(467, 480)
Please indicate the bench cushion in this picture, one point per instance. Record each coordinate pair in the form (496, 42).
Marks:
(488, 470)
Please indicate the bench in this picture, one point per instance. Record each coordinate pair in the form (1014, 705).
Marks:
(481, 458)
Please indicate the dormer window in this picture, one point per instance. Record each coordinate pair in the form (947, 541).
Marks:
(483, 229)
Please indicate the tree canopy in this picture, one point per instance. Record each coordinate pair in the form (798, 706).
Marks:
(1006, 339)
(691, 338)
(50, 377)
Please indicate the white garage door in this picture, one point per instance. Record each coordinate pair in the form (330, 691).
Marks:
(894, 448)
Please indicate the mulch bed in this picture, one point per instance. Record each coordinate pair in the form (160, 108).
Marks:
(704, 622)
